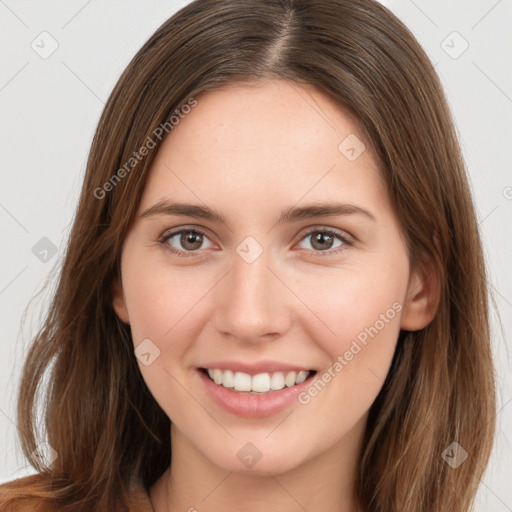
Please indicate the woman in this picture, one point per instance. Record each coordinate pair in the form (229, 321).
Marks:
(216, 346)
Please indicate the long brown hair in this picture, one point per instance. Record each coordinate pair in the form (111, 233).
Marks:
(100, 417)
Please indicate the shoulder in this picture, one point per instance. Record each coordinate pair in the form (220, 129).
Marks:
(26, 493)
(33, 493)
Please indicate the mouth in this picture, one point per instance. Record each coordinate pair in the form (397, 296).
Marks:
(263, 383)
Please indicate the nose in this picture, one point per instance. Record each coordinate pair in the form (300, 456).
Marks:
(252, 302)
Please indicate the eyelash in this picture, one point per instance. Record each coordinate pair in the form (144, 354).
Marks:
(162, 241)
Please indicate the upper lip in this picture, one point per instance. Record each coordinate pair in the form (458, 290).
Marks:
(256, 367)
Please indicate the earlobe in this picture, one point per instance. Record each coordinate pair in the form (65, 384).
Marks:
(118, 301)
(422, 301)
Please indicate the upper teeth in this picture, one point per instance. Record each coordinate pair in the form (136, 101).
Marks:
(261, 383)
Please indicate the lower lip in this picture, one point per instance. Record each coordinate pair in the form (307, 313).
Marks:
(253, 406)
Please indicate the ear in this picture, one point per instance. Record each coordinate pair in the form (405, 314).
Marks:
(118, 301)
(423, 297)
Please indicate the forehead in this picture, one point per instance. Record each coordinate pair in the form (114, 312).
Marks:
(252, 140)
(272, 112)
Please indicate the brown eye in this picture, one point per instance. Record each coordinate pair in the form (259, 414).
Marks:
(191, 240)
(186, 242)
(324, 242)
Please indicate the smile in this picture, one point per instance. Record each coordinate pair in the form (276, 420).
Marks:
(255, 395)
(258, 384)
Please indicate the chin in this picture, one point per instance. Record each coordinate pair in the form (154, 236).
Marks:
(248, 460)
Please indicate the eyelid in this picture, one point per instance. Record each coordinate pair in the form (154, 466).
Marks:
(344, 235)
(174, 231)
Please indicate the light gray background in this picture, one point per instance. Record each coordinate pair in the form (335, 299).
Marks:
(50, 107)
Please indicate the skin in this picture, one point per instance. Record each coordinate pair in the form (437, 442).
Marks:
(249, 152)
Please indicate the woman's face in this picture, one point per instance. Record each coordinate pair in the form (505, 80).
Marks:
(276, 286)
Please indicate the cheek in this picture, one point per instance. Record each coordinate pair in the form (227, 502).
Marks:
(348, 301)
(167, 307)
(164, 309)
(162, 302)
(360, 312)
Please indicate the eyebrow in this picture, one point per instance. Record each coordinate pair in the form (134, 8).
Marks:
(291, 214)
